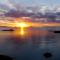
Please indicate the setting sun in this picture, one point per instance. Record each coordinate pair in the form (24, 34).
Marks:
(22, 24)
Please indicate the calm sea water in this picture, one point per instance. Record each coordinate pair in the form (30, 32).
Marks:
(30, 44)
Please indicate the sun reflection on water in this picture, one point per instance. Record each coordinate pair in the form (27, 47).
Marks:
(22, 31)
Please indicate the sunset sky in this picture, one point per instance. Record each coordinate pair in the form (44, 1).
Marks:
(32, 2)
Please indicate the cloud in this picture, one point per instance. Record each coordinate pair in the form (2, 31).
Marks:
(8, 3)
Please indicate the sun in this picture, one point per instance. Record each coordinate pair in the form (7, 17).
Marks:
(22, 24)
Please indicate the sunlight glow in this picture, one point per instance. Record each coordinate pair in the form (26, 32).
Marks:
(22, 24)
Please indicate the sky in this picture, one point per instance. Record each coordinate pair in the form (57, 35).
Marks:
(32, 2)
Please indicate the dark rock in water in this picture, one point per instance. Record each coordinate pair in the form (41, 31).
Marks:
(56, 31)
(8, 30)
(47, 55)
(4, 57)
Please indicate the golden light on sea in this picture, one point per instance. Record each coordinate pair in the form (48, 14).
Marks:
(22, 31)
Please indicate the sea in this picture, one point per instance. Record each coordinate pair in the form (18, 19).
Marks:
(31, 44)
